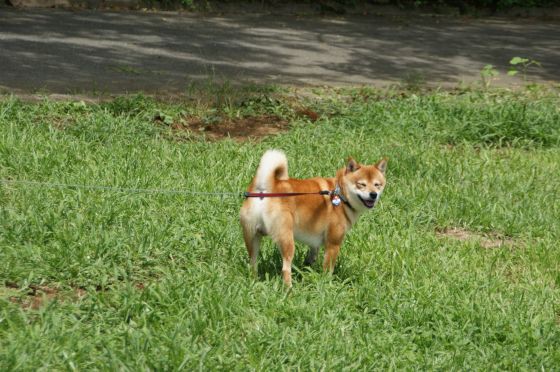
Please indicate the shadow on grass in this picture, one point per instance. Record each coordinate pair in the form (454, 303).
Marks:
(270, 266)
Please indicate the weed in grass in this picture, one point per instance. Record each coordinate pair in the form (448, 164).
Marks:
(523, 64)
(487, 75)
(414, 81)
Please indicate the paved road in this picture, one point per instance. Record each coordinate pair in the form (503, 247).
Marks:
(74, 52)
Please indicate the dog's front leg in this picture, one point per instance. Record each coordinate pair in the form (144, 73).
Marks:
(281, 229)
(331, 253)
(335, 236)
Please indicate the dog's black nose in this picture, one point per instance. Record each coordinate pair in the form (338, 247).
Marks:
(373, 195)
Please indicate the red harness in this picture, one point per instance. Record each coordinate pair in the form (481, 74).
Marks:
(282, 194)
(335, 195)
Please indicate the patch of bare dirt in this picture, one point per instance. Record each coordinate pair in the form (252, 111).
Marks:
(239, 128)
(36, 296)
(491, 240)
(62, 122)
(313, 116)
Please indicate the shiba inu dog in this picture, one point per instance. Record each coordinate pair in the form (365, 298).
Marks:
(316, 220)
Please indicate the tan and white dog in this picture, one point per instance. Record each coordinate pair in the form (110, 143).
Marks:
(315, 220)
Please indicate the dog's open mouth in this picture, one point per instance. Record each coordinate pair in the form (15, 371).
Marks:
(369, 203)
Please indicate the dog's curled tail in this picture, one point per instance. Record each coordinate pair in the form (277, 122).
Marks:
(273, 166)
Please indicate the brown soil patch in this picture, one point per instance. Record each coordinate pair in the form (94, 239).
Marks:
(62, 122)
(309, 114)
(36, 296)
(492, 240)
(239, 128)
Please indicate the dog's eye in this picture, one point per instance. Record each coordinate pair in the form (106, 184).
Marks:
(361, 185)
(377, 184)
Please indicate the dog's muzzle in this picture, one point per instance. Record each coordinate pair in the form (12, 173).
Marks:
(369, 202)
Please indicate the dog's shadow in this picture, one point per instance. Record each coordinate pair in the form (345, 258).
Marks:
(270, 264)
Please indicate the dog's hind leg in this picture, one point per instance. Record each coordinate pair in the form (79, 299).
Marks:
(253, 243)
(287, 249)
(251, 234)
(282, 234)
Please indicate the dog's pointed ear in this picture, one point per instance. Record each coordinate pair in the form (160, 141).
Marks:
(351, 165)
(382, 165)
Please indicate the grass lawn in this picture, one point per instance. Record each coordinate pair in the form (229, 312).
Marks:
(458, 267)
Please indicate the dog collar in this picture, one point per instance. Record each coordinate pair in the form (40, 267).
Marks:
(336, 194)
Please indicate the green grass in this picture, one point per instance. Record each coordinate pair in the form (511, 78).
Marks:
(400, 298)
